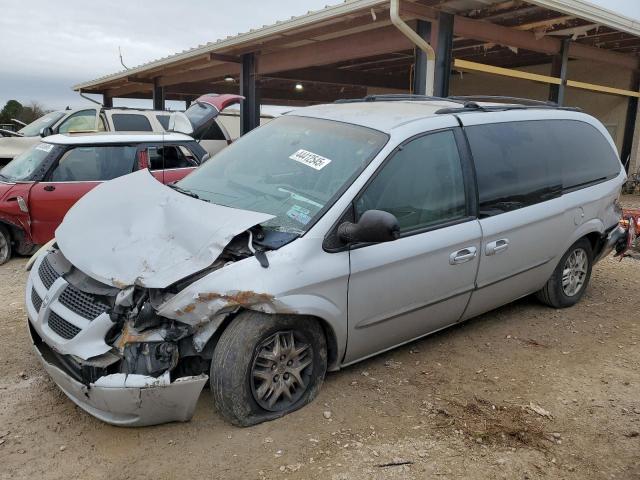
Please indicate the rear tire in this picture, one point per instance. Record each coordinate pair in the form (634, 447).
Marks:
(5, 245)
(265, 366)
(571, 277)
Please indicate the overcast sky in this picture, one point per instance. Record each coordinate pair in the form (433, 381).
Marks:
(48, 46)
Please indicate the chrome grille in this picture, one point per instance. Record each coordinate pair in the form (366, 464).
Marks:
(62, 327)
(47, 274)
(83, 304)
(36, 300)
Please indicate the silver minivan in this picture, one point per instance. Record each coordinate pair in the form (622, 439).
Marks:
(329, 235)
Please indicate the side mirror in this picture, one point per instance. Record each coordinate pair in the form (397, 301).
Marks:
(374, 226)
(46, 131)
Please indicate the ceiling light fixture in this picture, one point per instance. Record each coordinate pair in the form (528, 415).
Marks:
(299, 87)
(229, 78)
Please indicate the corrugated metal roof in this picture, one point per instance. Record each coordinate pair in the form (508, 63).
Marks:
(578, 8)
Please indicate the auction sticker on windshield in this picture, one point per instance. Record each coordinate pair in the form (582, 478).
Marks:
(45, 147)
(310, 159)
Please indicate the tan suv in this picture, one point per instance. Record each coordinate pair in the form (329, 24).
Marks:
(98, 119)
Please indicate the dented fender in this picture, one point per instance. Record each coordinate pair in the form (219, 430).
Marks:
(283, 288)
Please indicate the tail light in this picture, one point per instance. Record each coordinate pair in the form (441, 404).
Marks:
(143, 159)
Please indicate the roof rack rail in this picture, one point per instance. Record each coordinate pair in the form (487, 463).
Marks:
(398, 97)
(503, 99)
(471, 106)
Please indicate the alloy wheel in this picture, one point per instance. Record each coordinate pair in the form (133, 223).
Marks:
(281, 369)
(574, 272)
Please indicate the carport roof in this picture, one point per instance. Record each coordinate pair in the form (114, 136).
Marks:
(587, 24)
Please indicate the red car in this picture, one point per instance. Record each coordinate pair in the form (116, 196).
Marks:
(38, 187)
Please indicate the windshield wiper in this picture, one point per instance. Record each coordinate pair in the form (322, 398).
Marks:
(184, 191)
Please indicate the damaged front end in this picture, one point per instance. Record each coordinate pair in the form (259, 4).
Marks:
(114, 353)
(99, 300)
(115, 360)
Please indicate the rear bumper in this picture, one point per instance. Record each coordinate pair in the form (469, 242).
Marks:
(610, 240)
(126, 400)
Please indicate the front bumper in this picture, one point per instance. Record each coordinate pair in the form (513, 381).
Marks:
(118, 399)
(127, 406)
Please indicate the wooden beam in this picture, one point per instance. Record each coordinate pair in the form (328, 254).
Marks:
(129, 89)
(602, 89)
(209, 73)
(491, 33)
(225, 58)
(133, 79)
(373, 42)
(342, 77)
(505, 72)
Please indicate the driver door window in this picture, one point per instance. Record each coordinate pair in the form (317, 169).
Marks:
(83, 121)
(422, 184)
(94, 163)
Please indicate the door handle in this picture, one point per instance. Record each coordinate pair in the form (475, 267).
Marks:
(496, 247)
(49, 188)
(462, 256)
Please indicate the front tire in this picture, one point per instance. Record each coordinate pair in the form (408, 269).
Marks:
(265, 366)
(5, 245)
(569, 281)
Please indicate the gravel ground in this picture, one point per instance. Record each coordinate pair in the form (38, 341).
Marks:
(522, 392)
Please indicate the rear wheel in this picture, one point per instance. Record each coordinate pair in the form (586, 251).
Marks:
(265, 366)
(570, 278)
(5, 245)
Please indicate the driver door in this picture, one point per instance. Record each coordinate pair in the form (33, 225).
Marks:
(421, 282)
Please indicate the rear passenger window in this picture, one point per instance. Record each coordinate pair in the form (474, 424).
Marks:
(126, 122)
(422, 184)
(517, 165)
(94, 163)
(164, 121)
(587, 156)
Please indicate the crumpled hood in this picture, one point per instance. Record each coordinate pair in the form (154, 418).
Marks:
(136, 231)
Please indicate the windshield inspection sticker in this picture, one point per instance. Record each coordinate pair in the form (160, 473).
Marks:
(45, 147)
(299, 214)
(310, 159)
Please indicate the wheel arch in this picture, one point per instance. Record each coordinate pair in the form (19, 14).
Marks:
(334, 353)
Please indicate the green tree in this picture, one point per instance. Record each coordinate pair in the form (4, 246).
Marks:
(12, 109)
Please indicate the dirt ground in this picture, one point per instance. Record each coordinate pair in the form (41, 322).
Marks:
(459, 404)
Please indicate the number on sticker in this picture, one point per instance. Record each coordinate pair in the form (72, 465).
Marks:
(310, 159)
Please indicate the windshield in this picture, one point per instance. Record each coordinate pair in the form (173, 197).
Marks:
(33, 129)
(290, 168)
(22, 167)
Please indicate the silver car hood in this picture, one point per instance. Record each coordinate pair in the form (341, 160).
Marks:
(136, 231)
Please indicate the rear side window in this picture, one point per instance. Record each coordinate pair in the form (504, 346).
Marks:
(523, 163)
(164, 121)
(516, 165)
(94, 163)
(587, 156)
(127, 122)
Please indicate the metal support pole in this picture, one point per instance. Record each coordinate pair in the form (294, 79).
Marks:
(560, 68)
(630, 130)
(419, 85)
(250, 106)
(107, 101)
(158, 97)
(444, 54)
